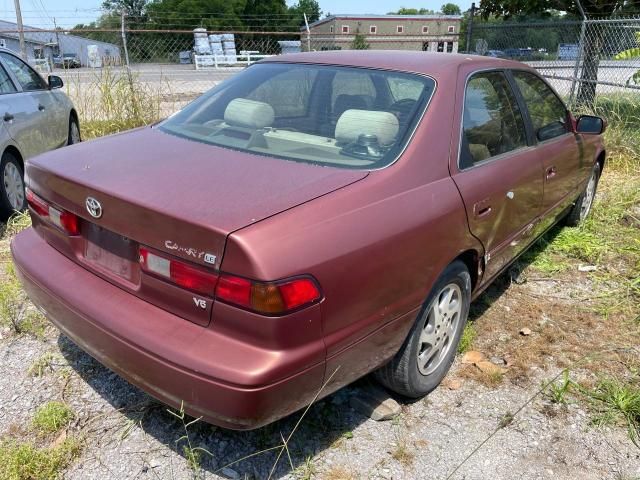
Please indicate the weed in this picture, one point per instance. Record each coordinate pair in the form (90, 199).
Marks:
(25, 461)
(617, 401)
(52, 416)
(466, 339)
(557, 392)
(506, 420)
(339, 473)
(16, 223)
(191, 453)
(42, 364)
(306, 471)
(402, 453)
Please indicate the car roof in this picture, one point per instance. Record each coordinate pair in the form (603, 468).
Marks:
(428, 63)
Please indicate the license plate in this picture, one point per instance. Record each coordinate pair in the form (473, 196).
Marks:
(109, 251)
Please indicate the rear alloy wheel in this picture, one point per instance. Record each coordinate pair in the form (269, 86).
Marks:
(429, 350)
(12, 196)
(74, 132)
(580, 210)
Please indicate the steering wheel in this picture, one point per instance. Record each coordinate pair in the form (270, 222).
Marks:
(402, 109)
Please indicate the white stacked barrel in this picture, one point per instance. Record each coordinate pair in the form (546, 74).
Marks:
(215, 43)
(289, 46)
(229, 47)
(201, 41)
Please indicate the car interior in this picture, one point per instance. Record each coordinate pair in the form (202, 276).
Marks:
(347, 118)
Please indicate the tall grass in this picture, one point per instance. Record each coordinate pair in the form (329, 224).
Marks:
(622, 111)
(112, 100)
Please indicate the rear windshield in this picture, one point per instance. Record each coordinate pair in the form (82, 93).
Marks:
(339, 116)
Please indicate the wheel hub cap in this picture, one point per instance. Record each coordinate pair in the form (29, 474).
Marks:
(589, 195)
(13, 186)
(439, 328)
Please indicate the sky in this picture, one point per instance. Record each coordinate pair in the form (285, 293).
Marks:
(67, 13)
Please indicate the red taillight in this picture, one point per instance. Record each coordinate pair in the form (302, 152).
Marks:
(271, 298)
(234, 290)
(299, 292)
(62, 219)
(267, 297)
(37, 204)
(181, 273)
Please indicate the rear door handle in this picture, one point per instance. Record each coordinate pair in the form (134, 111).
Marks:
(8, 117)
(481, 209)
(551, 172)
(41, 107)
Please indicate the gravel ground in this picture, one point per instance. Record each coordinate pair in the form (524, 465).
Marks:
(463, 430)
(130, 436)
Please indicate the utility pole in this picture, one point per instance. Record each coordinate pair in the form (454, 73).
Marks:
(23, 48)
(306, 22)
(55, 27)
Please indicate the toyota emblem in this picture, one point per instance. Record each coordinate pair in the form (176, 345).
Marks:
(93, 207)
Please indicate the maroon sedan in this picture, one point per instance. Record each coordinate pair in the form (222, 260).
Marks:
(315, 218)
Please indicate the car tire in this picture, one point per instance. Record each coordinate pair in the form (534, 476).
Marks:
(74, 132)
(12, 195)
(580, 210)
(414, 371)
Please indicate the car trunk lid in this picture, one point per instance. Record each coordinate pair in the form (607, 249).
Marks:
(179, 197)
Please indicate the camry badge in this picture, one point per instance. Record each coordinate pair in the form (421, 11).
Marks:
(93, 207)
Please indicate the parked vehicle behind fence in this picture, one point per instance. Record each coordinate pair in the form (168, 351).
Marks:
(315, 218)
(37, 117)
(67, 60)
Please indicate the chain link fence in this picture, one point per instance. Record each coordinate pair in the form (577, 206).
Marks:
(581, 59)
(165, 69)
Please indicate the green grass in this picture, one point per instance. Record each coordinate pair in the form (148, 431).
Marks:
(466, 339)
(25, 461)
(618, 402)
(51, 417)
(557, 392)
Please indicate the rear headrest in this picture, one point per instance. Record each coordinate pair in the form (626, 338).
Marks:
(242, 112)
(353, 123)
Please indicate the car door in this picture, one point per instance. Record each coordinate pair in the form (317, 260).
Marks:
(560, 149)
(37, 128)
(498, 173)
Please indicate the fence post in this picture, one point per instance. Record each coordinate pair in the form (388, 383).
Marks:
(576, 68)
(470, 26)
(124, 41)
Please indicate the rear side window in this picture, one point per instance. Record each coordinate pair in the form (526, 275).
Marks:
(27, 77)
(548, 113)
(492, 122)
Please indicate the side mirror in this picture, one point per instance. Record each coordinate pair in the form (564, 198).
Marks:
(55, 82)
(590, 124)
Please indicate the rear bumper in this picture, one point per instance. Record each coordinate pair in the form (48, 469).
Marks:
(168, 357)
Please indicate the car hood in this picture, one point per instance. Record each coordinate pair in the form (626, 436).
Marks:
(148, 179)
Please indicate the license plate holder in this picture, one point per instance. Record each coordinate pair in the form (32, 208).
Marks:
(110, 252)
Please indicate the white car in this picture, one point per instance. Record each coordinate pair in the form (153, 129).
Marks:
(36, 117)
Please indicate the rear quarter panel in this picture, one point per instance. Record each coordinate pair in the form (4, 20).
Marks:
(376, 247)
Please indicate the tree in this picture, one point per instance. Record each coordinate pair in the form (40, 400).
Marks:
(412, 11)
(359, 42)
(593, 40)
(631, 54)
(450, 9)
(310, 7)
(132, 8)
